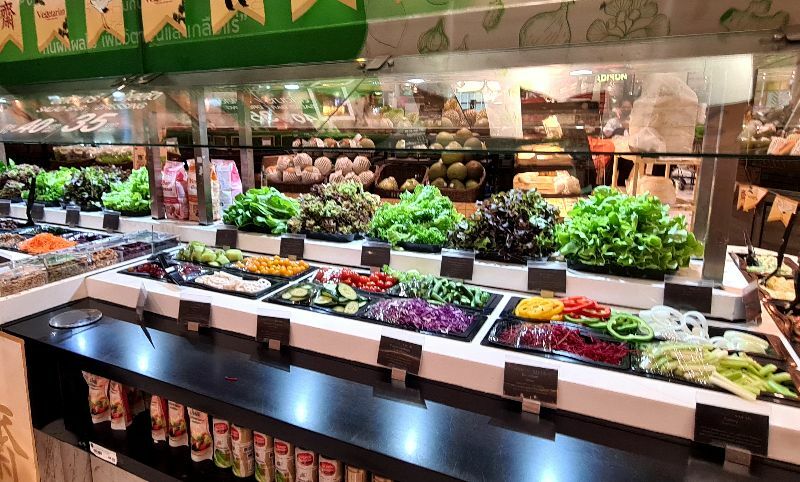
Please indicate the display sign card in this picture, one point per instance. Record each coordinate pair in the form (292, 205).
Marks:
(293, 246)
(273, 328)
(547, 276)
(684, 294)
(111, 220)
(194, 313)
(399, 354)
(726, 427)
(457, 264)
(535, 383)
(103, 453)
(37, 211)
(375, 254)
(5, 207)
(227, 237)
(752, 302)
(73, 216)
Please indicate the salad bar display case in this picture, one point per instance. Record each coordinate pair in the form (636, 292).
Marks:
(379, 268)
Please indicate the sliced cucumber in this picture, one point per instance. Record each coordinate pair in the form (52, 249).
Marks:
(299, 292)
(286, 295)
(323, 300)
(338, 309)
(351, 308)
(362, 303)
(347, 291)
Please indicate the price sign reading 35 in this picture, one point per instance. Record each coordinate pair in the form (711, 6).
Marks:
(83, 123)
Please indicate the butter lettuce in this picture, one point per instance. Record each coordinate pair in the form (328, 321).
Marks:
(424, 216)
(614, 229)
(132, 195)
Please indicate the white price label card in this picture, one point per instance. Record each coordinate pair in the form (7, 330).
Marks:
(103, 453)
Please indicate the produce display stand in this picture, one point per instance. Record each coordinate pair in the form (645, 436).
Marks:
(432, 437)
(614, 290)
(617, 397)
(326, 386)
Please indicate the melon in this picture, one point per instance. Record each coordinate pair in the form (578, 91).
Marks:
(367, 143)
(361, 164)
(274, 175)
(457, 172)
(330, 142)
(366, 178)
(462, 135)
(336, 177)
(443, 138)
(474, 170)
(344, 164)
(284, 162)
(290, 176)
(302, 160)
(324, 165)
(451, 157)
(437, 170)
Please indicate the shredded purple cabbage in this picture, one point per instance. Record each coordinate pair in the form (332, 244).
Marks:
(418, 314)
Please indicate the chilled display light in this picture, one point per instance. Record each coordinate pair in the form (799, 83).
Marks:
(291, 86)
(416, 81)
(576, 73)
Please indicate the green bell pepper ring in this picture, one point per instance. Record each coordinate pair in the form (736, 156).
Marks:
(619, 321)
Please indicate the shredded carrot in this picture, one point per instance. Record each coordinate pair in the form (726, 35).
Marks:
(45, 243)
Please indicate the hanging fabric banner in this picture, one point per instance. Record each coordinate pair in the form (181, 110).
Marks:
(50, 17)
(156, 14)
(104, 16)
(300, 7)
(749, 197)
(782, 210)
(223, 11)
(11, 26)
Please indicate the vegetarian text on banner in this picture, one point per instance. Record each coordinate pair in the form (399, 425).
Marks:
(749, 197)
(300, 7)
(10, 24)
(782, 210)
(104, 16)
(156, 14)
(223, 11)
(51, 23)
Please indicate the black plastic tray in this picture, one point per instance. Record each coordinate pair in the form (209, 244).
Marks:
(776, 349)
(135, 214)
(494, 300)
(166, 278)
(416, 247)
(420, 248)
(491, 339)
(229, 268)
(468, 335)
(310, 306)
(767, 397)
(500, 259)
(49, 204)
(620, 271)
(334, 238)
(38, 229)
(275, 284)
(84, 209)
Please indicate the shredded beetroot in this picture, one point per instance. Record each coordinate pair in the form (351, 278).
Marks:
(561, 338)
